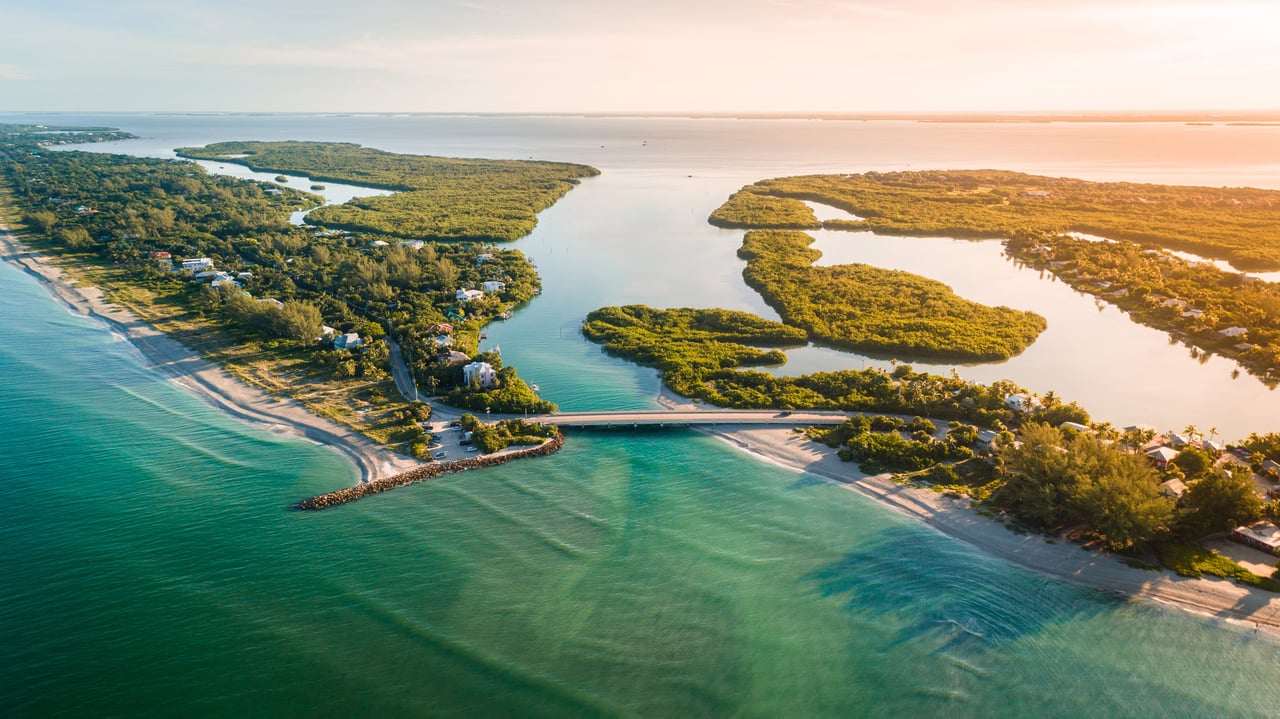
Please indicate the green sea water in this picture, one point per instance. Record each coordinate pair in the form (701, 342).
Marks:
(152, 568)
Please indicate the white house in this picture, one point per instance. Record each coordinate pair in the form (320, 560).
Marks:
(1189, 314)
(244, 275)
(1263, 535)
(479, 374)
(493, 286)
(442, 341)
(379, 243)
(468, 295)
(987, 439)
(1174, 303)
(347, 341)
(196, 263)
(1234, 332)
(1173, 488)
(1022, 402)
(1075, 426)
(481, 258)
(413, 244)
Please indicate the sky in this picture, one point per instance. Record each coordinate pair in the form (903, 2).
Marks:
(852, 56)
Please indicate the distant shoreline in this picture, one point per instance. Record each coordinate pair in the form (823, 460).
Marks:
(203, 378)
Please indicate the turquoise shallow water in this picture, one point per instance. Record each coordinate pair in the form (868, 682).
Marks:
(151, 566)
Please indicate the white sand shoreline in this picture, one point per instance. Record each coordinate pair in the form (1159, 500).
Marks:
(203, 378)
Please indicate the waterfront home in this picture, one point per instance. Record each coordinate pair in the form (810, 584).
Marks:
(1190, 314)
(468, 295)
(1022, 402)
(347, 341)
(1162, 456)
(1242, 347)
(1174, 303)
(493, 286)
(1263, 535)
(1233, 332)
(1173, 488)
(479, 374)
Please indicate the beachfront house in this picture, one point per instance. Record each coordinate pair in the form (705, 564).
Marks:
(479, 374)
(347, 341)
(1263, 535)
(493, 286)
(1162, 456)
(468, 295)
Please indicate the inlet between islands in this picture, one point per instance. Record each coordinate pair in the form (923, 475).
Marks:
(1218, 599)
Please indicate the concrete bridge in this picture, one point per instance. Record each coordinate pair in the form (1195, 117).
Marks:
(665, 418)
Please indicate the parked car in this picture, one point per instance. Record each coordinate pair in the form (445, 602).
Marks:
(441, 455)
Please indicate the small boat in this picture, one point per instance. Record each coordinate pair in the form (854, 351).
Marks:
(533, 387)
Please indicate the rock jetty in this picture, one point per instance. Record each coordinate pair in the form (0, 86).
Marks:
(424, 473)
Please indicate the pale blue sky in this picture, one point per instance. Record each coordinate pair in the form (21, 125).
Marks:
(656, 55)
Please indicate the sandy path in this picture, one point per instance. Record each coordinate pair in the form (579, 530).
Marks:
(1063, 560)
(207, 380)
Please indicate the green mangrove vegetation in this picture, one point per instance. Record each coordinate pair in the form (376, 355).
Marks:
(490, 438)
(265, 298)
(701, 354)
(1237, 224)
(436, 198)
(1214, 310)
(753, 210)
(872, 309)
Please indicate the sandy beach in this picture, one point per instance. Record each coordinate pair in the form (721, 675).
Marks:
(208, 381)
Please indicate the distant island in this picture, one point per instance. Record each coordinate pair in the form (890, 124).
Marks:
(436, 198)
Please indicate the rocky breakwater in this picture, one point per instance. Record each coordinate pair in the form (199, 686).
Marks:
(424, 473)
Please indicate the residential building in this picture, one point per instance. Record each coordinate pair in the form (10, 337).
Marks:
(347, 341)
(479, 374)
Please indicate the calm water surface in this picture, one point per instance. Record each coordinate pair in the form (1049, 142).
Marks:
(154, 570)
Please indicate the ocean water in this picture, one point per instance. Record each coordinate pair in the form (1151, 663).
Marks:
(153, 568)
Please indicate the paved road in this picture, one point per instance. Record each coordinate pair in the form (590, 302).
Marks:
(400, 373)
(689, 418)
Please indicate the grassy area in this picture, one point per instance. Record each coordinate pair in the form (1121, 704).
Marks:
(1189, 561)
